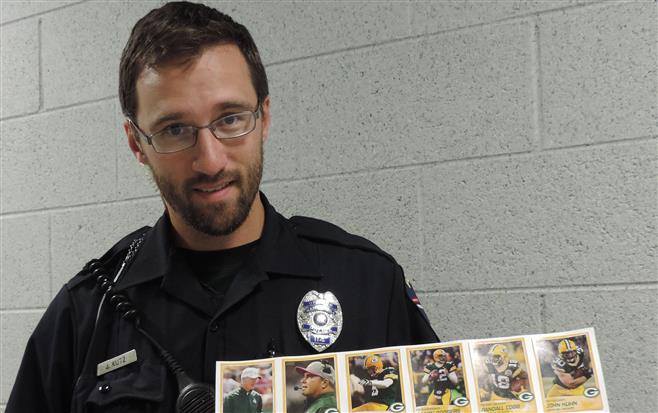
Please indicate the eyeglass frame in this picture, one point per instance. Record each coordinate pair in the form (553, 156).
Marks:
(149, 138)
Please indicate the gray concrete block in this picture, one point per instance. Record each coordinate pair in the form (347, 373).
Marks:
(435, 16)
(598, 70)
(16, 328)
(25, 270)
(585, 216)
(340, 113)
(286, 30)
(457, 316)
(20, 68)
(380, 206)
(88, 67)
(81, 234)
(472, 94)
(14, 9)
(459, 95)
(58, 158)
(626, 327)
(133, 179)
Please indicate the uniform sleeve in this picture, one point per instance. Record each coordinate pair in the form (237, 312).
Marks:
(407, 321)
(45, 378)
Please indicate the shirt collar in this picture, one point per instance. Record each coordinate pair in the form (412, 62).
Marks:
(279, 251)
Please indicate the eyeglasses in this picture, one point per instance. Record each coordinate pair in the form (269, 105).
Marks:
(178, 137)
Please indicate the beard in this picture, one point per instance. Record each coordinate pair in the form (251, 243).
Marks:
(217, 219)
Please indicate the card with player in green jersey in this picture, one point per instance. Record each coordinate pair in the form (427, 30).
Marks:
(440, 378)
(375, 381)
(503, 380)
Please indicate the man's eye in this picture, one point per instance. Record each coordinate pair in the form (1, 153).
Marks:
(229, 120)
(175, 130)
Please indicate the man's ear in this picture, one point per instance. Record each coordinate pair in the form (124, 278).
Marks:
(265, 113)
(134, 143)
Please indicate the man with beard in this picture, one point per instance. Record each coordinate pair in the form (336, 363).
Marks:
(221, 275)
(317, 385)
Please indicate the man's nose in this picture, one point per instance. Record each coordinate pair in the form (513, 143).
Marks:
(211, 155)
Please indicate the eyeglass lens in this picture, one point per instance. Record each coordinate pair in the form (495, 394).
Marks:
(178, 137)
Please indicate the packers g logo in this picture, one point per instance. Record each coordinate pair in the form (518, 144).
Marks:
(591, 392)
(526, 396)
(461, 402)
(396, 407)
(331, 410)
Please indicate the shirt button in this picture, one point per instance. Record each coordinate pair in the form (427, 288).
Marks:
(104, 388)
(214, 327)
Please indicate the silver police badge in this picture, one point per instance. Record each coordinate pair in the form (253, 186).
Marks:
(320, 319)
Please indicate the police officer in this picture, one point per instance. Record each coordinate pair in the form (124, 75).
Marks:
(245, 399)
(221, 275)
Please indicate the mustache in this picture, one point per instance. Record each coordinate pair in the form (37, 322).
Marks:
(222, 176)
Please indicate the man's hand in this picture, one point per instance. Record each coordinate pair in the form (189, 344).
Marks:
(364, 382)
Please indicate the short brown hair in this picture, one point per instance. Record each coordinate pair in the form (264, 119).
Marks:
(178, 32)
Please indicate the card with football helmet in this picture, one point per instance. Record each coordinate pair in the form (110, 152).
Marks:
(502, 374)
(440, 378)
(558, 372)
(375, 381)
(570, 372)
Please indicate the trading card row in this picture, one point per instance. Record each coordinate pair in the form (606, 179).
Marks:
(558, 372)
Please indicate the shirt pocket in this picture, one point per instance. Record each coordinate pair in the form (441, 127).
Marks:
(134, 388)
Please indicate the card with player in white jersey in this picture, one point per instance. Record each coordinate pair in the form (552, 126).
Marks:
(375, 381)
(570, 370)
(502, 376)
(440, 378)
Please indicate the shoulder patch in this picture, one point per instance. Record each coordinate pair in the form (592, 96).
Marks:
(325, 232)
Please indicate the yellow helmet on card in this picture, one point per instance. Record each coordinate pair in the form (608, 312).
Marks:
(569, 350)
(374, 365)
(499, 356)
(440, 356)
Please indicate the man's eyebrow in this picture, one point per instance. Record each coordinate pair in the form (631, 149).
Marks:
(233, 104)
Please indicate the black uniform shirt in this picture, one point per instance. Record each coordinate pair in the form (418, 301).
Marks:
(258, 313)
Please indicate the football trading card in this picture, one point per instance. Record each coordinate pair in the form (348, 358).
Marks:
(311, 384)
(375, 381)
(502, 378)
(440, 378)
(570, 372)
(246, 386)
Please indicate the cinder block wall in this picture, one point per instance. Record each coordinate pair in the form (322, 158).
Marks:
(505, 152)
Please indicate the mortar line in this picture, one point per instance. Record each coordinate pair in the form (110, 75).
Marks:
(40, 67)
(401, 40)
(41, 13)
(116, 155)
(70, 208)
(404, 167)
(542, 312)
(355, 173)
(58, 108)
(22, 310)
(421, 220)
(620, 141)
(50, 255)
(551, 288)
(538, 117)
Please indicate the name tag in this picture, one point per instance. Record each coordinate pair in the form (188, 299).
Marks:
(116, 362)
